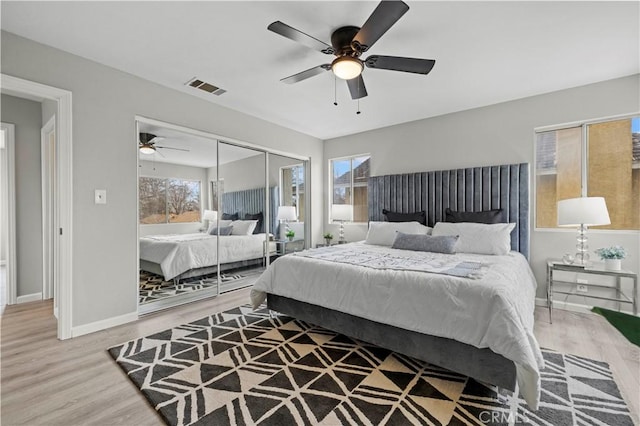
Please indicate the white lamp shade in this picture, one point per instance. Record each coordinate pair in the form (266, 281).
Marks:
(591, 211)
(210, 215)
(287, 213)
(342, 212)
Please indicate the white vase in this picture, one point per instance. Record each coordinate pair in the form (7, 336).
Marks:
(613, 264)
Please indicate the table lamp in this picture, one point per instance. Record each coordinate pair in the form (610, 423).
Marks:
(341, 213)
(583, 212)
(287, 213)
(210, 215)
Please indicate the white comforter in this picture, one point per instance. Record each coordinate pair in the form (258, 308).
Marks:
(178, 253)
(494, 311)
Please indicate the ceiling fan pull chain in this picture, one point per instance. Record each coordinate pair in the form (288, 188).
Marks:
(358, 112)
(335, 90)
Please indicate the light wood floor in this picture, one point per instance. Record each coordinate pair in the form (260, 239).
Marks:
(75, 382)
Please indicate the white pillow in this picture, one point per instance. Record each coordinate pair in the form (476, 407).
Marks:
(479, 238)
(384, 233)
(243, 227)
(214, 224)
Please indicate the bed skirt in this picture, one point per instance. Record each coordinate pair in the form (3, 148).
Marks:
(481, 364)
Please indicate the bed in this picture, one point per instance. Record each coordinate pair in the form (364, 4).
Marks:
(181, 256)
(482, 328)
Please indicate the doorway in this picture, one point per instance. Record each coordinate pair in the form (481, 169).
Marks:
(47, 155)
(63, 201)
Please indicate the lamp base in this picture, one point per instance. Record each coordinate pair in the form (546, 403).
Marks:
(582, 247)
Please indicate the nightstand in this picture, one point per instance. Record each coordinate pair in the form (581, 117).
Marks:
(285, 246)
(619, 296)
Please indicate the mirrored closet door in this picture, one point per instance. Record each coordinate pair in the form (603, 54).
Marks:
(288, 176)
(242, 215)
(178, 254)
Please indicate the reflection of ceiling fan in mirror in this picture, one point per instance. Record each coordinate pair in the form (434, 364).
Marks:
(147, 144)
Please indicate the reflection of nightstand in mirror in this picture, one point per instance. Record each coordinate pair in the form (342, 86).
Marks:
(285, 246)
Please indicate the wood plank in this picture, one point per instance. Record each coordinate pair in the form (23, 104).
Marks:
(46, 381)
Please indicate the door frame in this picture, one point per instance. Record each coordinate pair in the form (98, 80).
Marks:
(64, 178)
(47, 168)
(9, 188)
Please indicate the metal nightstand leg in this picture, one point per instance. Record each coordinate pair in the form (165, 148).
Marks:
(550, 293)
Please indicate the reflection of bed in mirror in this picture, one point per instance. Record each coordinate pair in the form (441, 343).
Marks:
(181, 256)
(177, 257)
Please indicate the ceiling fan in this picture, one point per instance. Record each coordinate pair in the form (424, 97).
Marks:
(348, 43)
(147, 144)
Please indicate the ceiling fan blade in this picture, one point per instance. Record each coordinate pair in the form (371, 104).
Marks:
(383, 17)
(356, 87)
(397, 63)
(175, 149)
(306, 74)
(302, 38)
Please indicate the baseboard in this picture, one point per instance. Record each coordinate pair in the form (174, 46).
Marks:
(29, 298)
(573, 307)
(81, 330)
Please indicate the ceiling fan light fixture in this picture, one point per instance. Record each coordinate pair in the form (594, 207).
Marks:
(347, 67)
(147, 148)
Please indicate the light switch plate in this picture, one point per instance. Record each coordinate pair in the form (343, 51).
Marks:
(101, 196)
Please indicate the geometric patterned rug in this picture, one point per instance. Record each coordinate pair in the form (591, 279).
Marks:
(154, 287)
(242, 367)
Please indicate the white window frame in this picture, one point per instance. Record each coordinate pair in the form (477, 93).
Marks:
(166, 206)
(584, 172)
(281, 186)
(330, 173)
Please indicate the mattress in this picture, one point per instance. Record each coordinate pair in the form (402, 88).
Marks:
(490, 310)
(178, 253)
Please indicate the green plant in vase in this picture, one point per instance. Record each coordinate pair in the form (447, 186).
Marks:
(612, 257)
(328, 236)
(290, 234)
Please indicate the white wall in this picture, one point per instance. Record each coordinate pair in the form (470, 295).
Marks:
(105, 102)
(167, 170)
(492, 135)
(26, 115)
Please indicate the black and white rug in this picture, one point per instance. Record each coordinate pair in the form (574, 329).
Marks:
(153, 287)
(243, 368)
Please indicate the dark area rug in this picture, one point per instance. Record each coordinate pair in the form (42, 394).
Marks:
(628, 325)
(241, 367)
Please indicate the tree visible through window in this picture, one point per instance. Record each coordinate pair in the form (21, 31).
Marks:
(169, 200)
(612, 170)
(349, 184)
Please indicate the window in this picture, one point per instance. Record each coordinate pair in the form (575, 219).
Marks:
(598, 159)
(292, 184)
(169, 200)
(349, 184)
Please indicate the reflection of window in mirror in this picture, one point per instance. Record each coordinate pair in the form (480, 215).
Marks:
(169, 200)
(292, 188)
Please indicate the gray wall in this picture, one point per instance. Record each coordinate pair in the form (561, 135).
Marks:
(248, 173)
(496, 134)
(105, 102)
(26, 115)
(167, 170)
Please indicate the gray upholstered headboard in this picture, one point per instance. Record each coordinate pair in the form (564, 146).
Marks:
(473, 189)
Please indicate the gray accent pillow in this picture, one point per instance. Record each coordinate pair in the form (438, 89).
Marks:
(441, 244)
(224, 230)
(420, 217)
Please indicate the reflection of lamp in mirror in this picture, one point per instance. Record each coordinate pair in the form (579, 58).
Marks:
(583, 212)
(287, 213)
(210, 215)
(341, 213)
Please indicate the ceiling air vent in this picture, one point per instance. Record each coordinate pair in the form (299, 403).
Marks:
(207, 87)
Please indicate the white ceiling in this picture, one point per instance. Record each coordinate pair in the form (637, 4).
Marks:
(486, 52)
